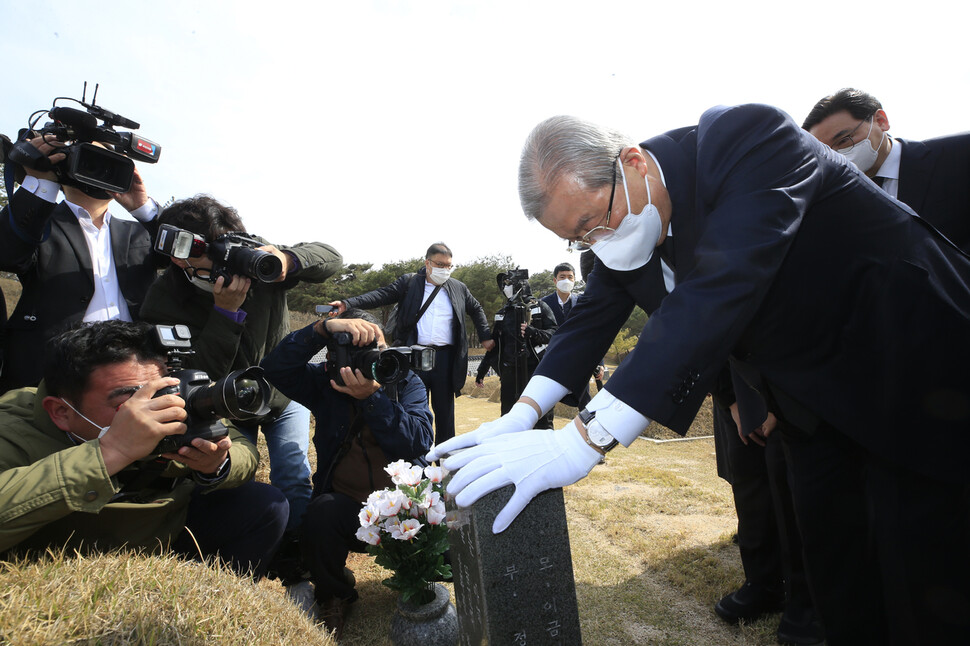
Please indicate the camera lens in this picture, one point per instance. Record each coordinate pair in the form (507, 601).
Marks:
(390, 367)
(247, 393)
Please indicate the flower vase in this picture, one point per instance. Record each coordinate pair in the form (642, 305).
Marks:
(431, 624)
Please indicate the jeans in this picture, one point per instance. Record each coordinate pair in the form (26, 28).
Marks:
(287, 439)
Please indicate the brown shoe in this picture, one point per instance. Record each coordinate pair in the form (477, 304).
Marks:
(332, 613)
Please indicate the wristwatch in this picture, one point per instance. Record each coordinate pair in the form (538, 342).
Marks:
(596, 436)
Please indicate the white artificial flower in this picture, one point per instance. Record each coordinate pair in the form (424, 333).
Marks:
(435, 474)
(394, 469)
(390, 504)
(407, 529)
(436, 515)
(410, 476)
(370, 535)
(369, 515)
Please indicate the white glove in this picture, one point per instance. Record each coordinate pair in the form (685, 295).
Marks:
(531, 460)
(519, 418)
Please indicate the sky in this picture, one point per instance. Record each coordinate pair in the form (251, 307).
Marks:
(381, 126)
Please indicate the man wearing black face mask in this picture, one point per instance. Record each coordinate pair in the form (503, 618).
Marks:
(75, 261)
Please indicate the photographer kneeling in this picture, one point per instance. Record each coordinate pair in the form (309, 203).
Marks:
(76, 471)
(361, 428)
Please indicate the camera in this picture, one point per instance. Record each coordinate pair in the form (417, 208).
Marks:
(231, 253)
(242, 394)
(518, 280)
(383, 366)
(92, 168)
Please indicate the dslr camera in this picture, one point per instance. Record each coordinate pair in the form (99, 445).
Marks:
(94, 169)
(242, 394)
(231, 253)
(383, 366)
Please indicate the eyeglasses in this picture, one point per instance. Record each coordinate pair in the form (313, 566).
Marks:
(600, 232)
(847, 141)
(441, 265)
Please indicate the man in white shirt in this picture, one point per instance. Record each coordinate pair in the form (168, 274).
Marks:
(75, 261)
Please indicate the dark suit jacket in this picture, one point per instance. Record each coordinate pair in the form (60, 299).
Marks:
(45, 247)
(552, 300)
(408, 293)
(934, 180)
(852, 308)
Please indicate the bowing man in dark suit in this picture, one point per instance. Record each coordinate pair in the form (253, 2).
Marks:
(75, 261)
(853, 313)
(428, 317)
(932, 177)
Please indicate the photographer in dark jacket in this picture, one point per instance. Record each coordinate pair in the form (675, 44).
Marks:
(234, 325)
(518, 347)
(429, 318)
(360, 430)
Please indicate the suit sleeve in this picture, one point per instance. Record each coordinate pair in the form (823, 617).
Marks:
(317, 261)
(474, 309)
(759, 172)
(24, 225)
(388, 295)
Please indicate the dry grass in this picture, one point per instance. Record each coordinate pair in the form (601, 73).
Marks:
(122, 598)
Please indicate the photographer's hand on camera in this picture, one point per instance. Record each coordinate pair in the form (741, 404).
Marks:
(203, 456)
(48, 148)
(356, 385)
(287, 259)
(141, 423)
(137, 195)
(231, 297)
(362, 332)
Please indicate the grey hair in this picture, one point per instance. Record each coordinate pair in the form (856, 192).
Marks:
(561, 147)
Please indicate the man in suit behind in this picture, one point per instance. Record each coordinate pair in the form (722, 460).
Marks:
(790, 262)
(932, 176)
(429, 318)
(75, 261)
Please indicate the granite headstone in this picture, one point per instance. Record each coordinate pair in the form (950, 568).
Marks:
(515, 588)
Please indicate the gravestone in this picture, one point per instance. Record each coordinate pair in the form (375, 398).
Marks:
(515, 588)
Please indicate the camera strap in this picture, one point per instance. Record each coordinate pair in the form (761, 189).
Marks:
(427, 304)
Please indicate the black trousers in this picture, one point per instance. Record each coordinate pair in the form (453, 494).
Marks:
(243, 526)
(327, 536)
(887, 549)
(441, 390)
(768, 538)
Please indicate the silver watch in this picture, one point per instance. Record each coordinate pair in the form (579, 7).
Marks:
(597, 436)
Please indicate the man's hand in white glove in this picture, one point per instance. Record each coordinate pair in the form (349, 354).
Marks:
(519, 418)
(533, 461)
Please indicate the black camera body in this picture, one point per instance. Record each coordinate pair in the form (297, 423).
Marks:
(231, 253)
(94, 169)
(386, 367)
(242, 394)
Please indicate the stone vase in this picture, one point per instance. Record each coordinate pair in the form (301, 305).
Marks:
(431, 624)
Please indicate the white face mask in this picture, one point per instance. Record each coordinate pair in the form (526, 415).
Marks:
(439, 275)
(631, 245)
(565, 285)
(862, 154)
(201, 283)
(508, 290)
(101, 429)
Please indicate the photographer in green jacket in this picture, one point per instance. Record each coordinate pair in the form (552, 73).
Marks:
(76, 465)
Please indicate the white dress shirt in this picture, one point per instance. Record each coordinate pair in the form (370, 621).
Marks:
(108, 302)
(889, 170)
(434, 326)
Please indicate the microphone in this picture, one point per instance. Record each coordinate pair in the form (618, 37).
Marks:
(72, 117)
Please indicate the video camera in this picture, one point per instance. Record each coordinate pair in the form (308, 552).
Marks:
(383, 366)
(231, 253)
(518, 280)
(93, 169)
(242, 394)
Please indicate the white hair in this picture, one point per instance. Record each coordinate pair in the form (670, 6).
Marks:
(561, 147)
